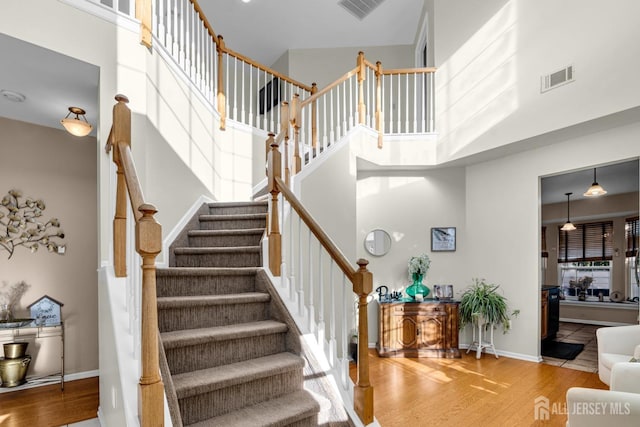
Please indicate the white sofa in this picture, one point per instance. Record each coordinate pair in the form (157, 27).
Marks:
(619, 407)
(616, 344)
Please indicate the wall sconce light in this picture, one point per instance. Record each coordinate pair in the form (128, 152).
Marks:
(74, 125)
(596, 189)
(568, 226)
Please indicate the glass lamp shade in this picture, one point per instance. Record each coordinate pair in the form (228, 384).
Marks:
(568, 226)
(76, 126)
(595, 190)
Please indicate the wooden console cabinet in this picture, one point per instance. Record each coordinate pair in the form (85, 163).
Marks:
(418, 329)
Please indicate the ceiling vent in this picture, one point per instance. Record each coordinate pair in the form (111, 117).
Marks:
(559, 78)
(360, 8)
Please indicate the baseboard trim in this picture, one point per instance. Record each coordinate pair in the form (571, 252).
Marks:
(81, 375)
(509, 354)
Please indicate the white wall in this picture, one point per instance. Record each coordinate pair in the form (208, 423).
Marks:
(503, 215)
(406, 204)
(491, 55)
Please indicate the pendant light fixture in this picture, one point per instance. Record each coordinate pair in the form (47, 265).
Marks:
(596, 189)
(75, 126)
(568, 226)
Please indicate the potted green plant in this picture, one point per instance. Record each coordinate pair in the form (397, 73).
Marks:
(482, 301)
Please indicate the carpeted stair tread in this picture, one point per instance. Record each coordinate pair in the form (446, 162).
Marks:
(219, 250)
(206, 380)
(229, 232)
(207, 300)
(175, 339)
(237, 204)
(281, 411)
(207, 271)
(231, 217)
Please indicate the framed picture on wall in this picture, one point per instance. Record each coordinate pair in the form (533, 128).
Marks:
(443, 239)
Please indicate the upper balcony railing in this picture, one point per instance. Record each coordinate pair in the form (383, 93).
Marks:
(392, 101)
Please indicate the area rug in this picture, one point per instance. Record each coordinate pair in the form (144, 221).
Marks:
(561, 350)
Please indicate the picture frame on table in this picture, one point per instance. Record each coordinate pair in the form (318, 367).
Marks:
(443, 239)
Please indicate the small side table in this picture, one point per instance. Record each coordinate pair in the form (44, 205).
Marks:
(37, 332)
(479, 344)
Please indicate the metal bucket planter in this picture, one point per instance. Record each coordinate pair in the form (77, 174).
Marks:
(14, 365)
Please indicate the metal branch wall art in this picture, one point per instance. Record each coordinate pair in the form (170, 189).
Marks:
(21, 225)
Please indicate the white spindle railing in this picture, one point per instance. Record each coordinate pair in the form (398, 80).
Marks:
(322, 294)
(400, 103)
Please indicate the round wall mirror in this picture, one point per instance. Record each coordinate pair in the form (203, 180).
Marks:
(377, 242)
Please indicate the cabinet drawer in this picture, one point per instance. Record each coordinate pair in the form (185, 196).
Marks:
(420, 309)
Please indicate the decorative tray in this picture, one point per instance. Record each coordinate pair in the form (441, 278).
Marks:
(14, 323)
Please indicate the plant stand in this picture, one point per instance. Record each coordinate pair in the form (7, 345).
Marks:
(479, 343)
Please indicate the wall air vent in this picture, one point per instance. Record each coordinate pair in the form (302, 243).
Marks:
(559, 78)
(360, 8)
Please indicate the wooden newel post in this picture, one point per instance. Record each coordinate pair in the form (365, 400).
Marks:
(362, 109)
(120, 135)
(275, 239)
(222, 101)
(379, 102)
(284, 127)
(363, 391)
(294, 112)
(144, 15)
(149, 245)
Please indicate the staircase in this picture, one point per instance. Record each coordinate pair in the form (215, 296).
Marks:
(233, 354)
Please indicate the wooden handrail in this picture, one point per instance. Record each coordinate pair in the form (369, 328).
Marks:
(321, 92)
(148, 238)
(267, 69)
(317, 231)
(204, 19)
(424, 70)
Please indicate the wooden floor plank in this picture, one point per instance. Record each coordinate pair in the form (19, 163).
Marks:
(455, 392)
(48, 406)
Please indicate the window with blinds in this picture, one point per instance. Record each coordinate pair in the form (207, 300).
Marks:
(632, 234)
(588, 242)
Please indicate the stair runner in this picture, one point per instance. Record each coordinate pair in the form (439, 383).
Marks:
(233, 355)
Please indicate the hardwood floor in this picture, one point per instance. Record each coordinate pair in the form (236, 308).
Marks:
(469, 392)
(408, 393)
(48, 406)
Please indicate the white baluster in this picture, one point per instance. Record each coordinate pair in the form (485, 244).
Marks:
(242, 93)
(344, 377)
(345, 119)
(251, 121)
(423, 113)
(312, 314)
(300, 280)
(235, 88)
(227, 79)
(324, 121)
(321, 289)
(390, 111)
(331, 131)
(432, 127)
(158, 25)
(333, 356)
(352, 117)
(406, 101)
(399, 103)
(292, 277)
(283, 254)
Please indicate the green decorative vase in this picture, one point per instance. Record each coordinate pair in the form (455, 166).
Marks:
(417, 287)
